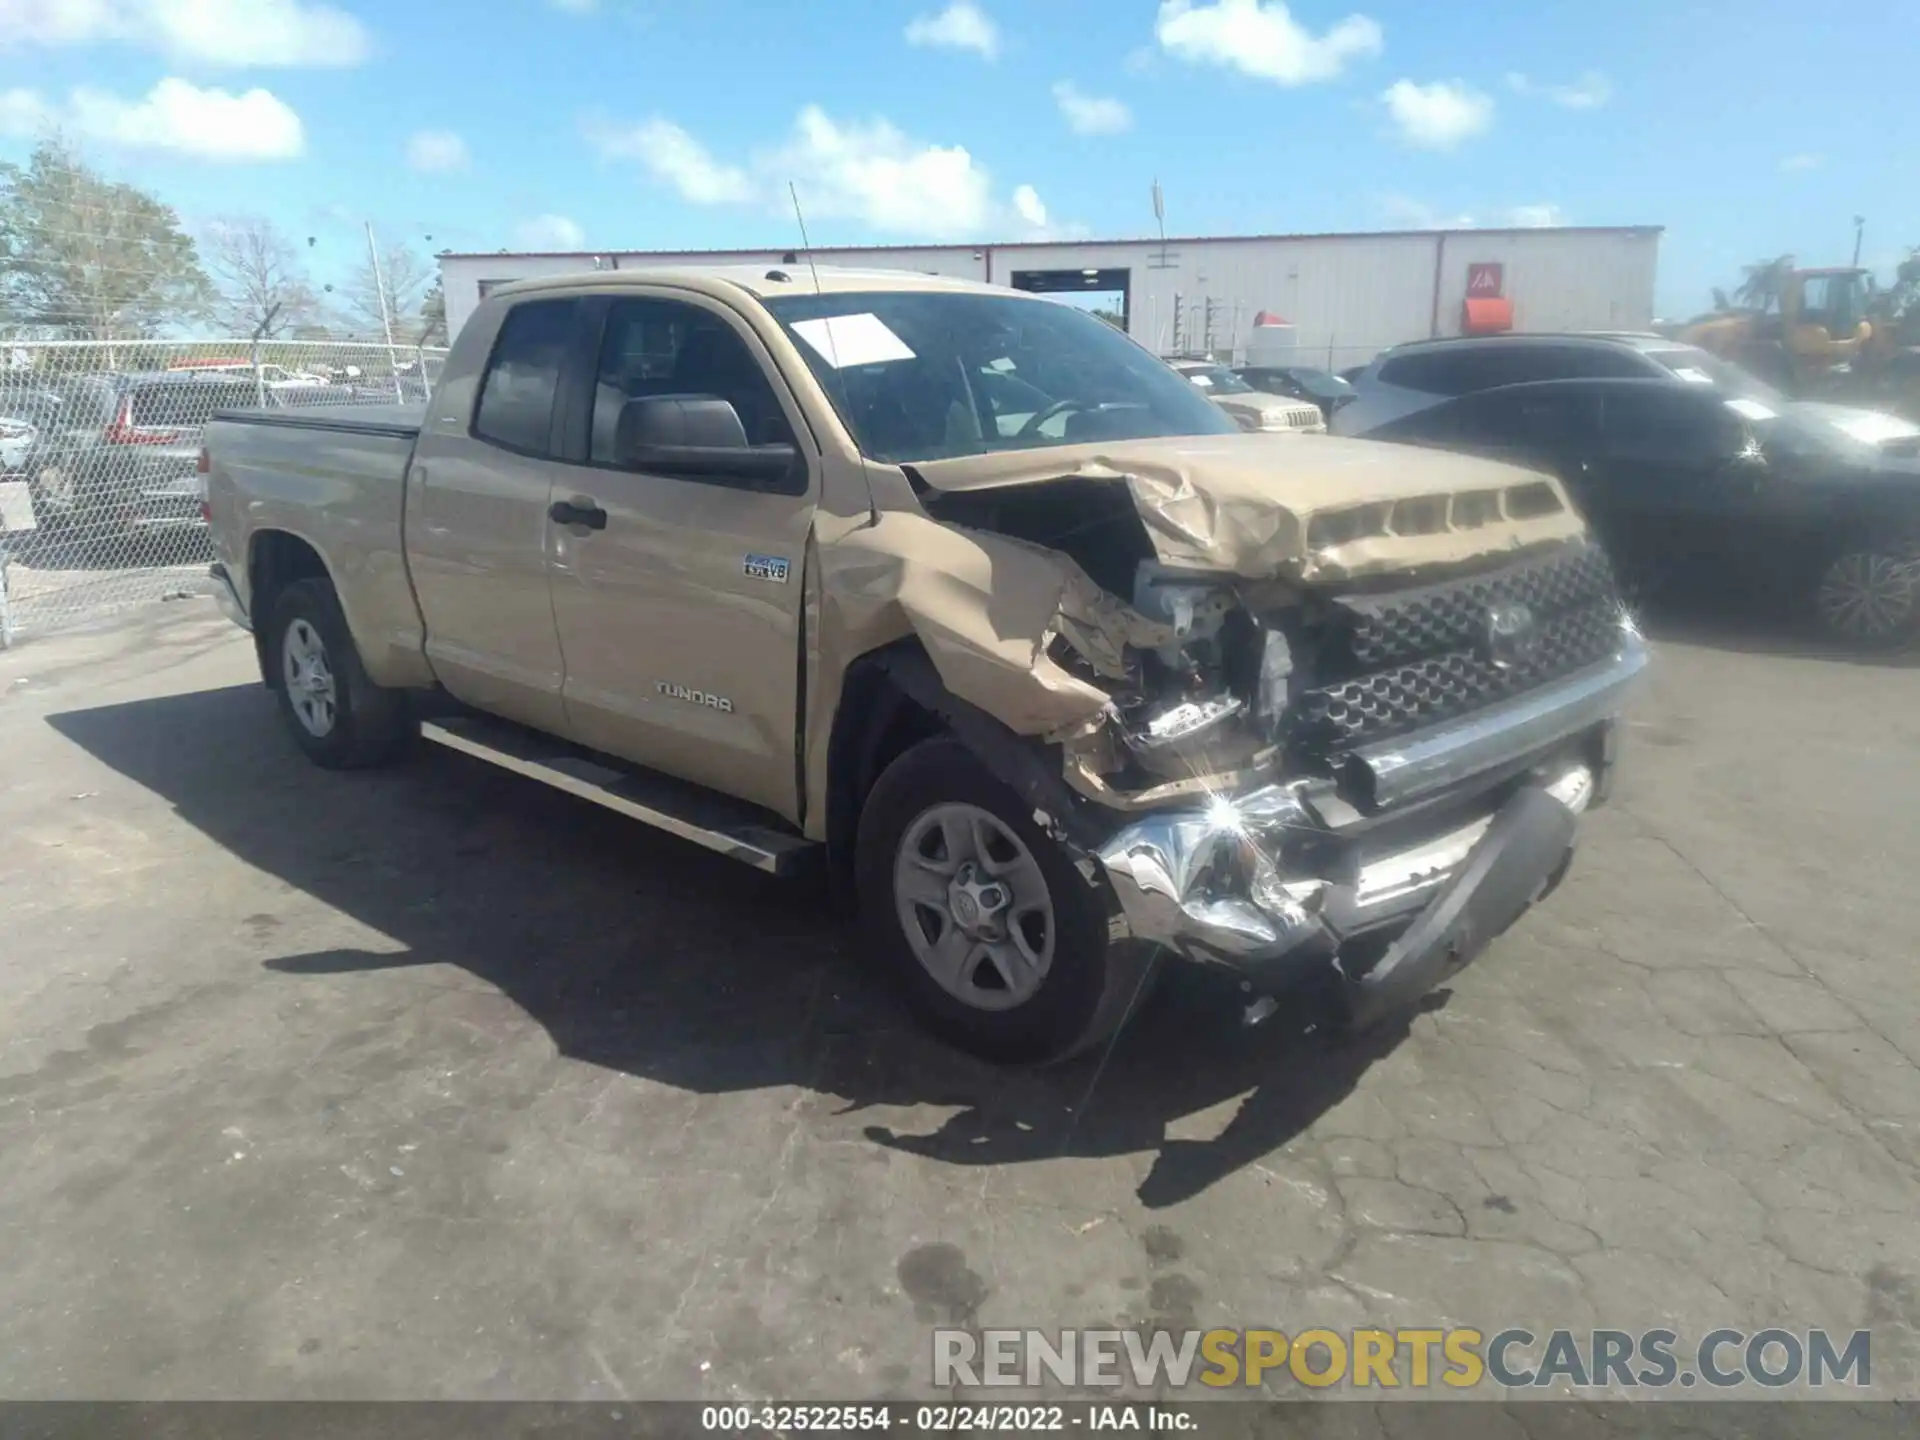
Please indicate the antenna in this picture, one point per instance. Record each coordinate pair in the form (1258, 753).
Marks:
(805, 243)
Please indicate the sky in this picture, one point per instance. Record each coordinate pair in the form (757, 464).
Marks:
(1746, 130)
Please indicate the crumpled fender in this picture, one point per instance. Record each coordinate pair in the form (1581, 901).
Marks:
(985, 608)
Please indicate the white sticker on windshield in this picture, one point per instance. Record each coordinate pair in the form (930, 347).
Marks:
(1752, 409)
(1694, 377)
(1205, 382)
(844, 340)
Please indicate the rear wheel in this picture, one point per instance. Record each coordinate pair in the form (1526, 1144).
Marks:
(340, 718)
(1870, 595)
(994, 938)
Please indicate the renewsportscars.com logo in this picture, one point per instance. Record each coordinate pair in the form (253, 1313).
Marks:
(1458, 1358)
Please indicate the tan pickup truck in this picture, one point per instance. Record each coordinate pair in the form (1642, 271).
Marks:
(963, 597)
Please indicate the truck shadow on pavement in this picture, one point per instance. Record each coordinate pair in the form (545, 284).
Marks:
(647, 956)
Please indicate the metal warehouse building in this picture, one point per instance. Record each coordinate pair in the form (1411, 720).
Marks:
(1334, 300)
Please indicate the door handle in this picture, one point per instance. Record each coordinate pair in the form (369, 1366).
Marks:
(566, 512)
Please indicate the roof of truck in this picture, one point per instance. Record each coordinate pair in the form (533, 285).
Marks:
(765, 281)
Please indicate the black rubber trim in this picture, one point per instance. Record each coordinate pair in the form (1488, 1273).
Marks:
(303, 420)
(1023, 765)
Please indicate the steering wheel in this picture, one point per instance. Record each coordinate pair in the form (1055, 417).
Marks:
(1040, 417)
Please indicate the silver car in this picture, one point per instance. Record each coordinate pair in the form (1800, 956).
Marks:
(1251, 409)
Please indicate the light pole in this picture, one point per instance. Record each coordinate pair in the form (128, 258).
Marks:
(1859, 230)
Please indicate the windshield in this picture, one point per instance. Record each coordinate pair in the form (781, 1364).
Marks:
(1319, 382)
(928, 375)
(1215, 380)
(1691, 363)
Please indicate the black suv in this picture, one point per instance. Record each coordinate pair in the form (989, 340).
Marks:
(1818, 504)
(1414, 376)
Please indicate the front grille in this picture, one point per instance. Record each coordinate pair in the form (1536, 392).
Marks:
(1388, 664)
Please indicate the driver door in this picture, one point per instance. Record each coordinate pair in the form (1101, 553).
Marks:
(679, 605)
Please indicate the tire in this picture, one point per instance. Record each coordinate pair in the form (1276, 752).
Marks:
(337, 716)
(1868, 594)
(1084, 984)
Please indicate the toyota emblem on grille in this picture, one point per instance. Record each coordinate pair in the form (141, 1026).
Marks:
(1512, 634)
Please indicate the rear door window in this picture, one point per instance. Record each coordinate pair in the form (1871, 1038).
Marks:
(517, 391)
(1462, 371)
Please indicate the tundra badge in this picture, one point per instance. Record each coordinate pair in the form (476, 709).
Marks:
(766, 567)
(695, 697)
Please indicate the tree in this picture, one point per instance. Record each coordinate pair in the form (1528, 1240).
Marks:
(433, 315)
(263, 289)
(1761, 284)
(403, 277)
(1112, 317)
(81, 255)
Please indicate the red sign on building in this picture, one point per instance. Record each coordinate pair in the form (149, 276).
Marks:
(1485, 280)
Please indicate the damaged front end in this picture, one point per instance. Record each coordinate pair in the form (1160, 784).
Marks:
(1365, 746)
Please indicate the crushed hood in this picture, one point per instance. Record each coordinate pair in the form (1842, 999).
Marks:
(1297, 507)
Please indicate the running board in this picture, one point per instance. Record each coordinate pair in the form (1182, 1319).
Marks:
(716, 822)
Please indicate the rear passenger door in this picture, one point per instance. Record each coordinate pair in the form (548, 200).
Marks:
(679, 609)
(477, 530)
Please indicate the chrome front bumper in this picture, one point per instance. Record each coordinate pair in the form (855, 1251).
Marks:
(1214, 884)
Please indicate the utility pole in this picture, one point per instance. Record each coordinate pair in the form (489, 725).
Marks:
(386, 316)
(1859, 231)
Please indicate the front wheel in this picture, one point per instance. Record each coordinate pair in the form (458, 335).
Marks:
(340, 718)
(996, 941)
(1870, 595)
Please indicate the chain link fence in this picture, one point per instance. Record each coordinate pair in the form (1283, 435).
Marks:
(100, 494)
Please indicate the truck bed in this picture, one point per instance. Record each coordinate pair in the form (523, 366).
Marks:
(331, 479)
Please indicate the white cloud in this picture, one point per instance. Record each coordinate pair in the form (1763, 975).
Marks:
(871, 172)
(961, 26)
(1589, 92)
(174, 117)
(211, 32)
(1029, 207)
(1418, 215)
(1262, 39)
(1535, 217)
(437, 150)
(867, 171)
(1090, 114)
(1800, 162)
(1437, 116)
(549, 232)
(673, 156)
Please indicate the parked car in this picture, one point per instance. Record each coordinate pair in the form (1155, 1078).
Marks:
(808, 598)
(123, 452)
(1300, 382)
(1691, 479)
(1250, 409)
(272, 376)
(1427, 372)
(22, 413)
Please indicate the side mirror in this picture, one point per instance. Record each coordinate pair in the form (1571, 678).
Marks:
(698, 435)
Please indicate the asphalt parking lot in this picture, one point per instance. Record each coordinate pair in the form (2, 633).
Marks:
(432, 1083)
